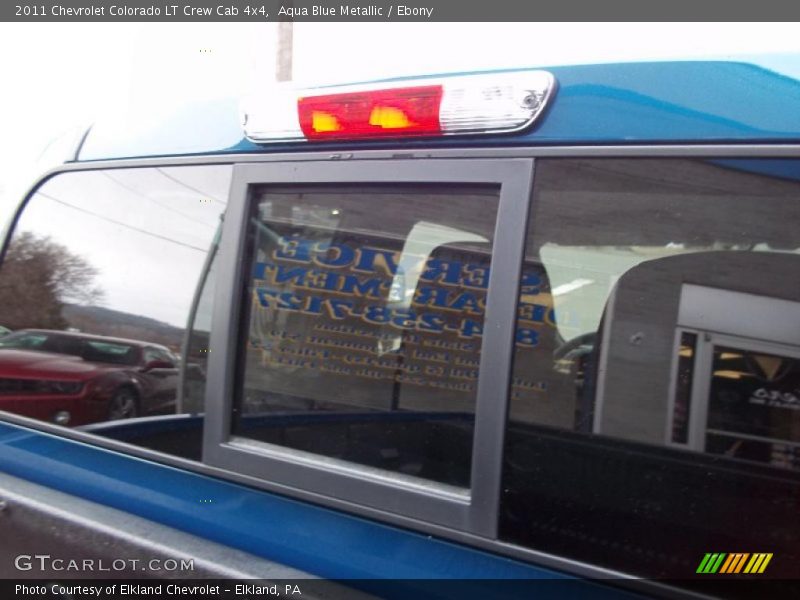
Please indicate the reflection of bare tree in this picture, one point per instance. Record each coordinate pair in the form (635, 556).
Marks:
(39, 276)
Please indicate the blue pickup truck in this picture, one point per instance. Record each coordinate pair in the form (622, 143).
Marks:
(538, 330)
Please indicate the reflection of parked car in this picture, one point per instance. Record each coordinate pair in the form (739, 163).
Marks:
(4, 331)
(73, 378)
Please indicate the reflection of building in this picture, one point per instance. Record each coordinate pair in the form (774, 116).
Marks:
(368, 309)
(672, 397)
(654, 311)
(700, 309)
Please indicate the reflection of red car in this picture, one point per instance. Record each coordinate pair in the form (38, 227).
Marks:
(73, 378)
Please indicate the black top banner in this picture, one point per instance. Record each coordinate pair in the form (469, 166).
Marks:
(398, 11)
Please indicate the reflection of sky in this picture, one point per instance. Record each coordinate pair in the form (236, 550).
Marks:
(149, 261)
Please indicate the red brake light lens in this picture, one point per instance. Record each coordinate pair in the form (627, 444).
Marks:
(408, 111)
(480, 104)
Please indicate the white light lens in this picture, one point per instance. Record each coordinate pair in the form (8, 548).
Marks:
(494, 103)
(272, 116)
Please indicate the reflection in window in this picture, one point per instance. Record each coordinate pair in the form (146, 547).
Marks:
(365, 312)
(754, 407)
(683, 387)
(599, 402)
(199, 337)
(96, 284)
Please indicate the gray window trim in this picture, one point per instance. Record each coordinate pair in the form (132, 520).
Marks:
(472, 510)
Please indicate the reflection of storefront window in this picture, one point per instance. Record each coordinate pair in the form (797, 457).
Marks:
(683, 388)
(754, 407)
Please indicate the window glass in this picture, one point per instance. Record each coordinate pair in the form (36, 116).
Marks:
(104, 352)
(23, 340)
(754, 406)
(364, 313)
(195, 365)
(635, 440)
(97, 281)
(161, 355)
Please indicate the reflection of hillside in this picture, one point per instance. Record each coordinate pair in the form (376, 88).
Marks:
(114, 323)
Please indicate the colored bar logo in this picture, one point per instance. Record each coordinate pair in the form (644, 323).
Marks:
(736, 562)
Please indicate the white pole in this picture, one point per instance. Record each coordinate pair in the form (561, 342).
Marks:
(283, 70)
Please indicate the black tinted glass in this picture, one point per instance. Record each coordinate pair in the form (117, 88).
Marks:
(655, 417)
(364, 312)
(99, 265)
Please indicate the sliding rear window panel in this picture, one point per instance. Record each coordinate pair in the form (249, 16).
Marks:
(474, 510)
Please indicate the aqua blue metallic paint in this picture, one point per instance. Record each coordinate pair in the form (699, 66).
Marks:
(788, 169)
(654, 102)
(315, 539)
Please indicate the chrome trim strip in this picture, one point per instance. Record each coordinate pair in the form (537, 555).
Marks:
(353, 470)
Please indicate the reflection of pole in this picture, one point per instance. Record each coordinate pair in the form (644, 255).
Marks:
(195, 405)
(283, 68)
(396, 385)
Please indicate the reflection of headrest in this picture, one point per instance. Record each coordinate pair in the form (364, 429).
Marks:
(63, 346)
(92, 355)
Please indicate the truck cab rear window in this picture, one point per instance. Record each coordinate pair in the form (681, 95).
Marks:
(364, 312)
